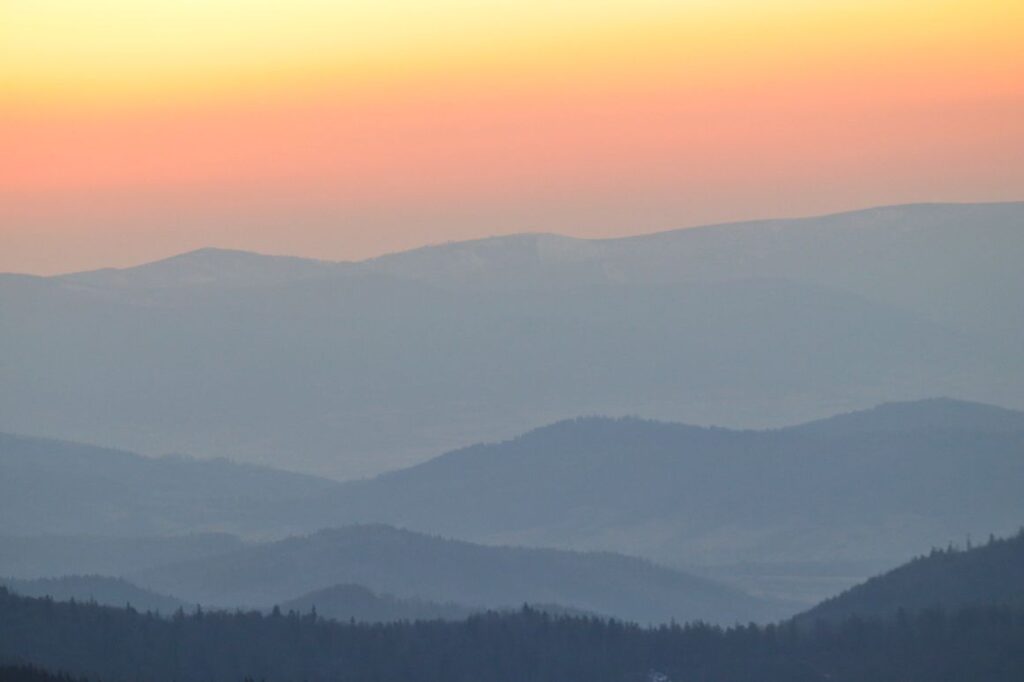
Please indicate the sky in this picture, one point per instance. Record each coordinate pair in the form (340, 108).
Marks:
(131, 130)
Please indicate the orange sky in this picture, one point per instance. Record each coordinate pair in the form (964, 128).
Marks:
(133, 130)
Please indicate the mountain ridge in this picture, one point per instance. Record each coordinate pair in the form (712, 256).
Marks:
(349, 369)
(206, 252)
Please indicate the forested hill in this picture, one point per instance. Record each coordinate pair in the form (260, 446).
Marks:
(117, 645)
(988, 575)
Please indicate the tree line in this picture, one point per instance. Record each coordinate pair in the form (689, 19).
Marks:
(111, 644)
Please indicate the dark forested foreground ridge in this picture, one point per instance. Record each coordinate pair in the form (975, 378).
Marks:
(28, 673)
(980, 644)
(950, 578)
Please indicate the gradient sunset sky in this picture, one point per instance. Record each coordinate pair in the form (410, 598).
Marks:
(131, 130)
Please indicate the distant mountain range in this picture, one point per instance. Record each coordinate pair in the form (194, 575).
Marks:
(795, 513)
(351, 369)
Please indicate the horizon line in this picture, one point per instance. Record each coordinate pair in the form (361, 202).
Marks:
(512, 235)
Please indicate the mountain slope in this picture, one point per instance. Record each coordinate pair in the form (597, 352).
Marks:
(350, 369)
(796, 513)
(992, 574)
(411, 565)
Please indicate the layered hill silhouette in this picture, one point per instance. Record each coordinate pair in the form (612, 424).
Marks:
(910, 458)
(350, 369)
(797, 513)
(950, 579)
(844, 498)
(416, 566)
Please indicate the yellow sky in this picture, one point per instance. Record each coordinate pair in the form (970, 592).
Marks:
(125, 124)
(124, 51)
